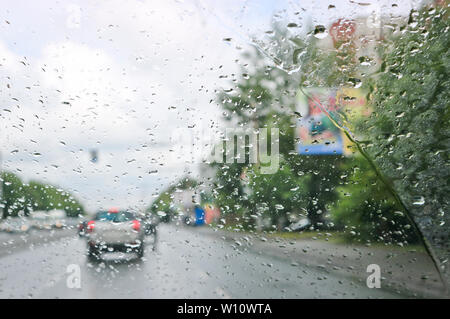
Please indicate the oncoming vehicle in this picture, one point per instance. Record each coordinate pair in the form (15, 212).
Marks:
(150, 224)
(114, 231)
(82, 228)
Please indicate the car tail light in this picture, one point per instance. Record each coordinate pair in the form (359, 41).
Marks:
(136, 225)
(90, 226)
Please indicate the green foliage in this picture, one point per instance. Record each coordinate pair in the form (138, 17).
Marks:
(162, 204)
(164, 201)
(409, 127)
(266, 97)
(46, 197)
(367, 212)
(18, 197)
(12, 194)
(407, 136)
(228, 192)
(323, 68)
(277, 195)
(325, 174)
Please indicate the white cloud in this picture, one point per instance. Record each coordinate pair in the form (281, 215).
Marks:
(108, 85)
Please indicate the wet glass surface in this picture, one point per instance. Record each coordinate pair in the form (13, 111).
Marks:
(265, 149)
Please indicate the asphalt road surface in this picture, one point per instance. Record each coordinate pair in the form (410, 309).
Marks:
(185, 264)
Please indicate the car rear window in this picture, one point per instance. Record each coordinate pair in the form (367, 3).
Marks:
(119, 217)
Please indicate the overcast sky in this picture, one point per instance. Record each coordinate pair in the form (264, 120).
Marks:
(120, 77)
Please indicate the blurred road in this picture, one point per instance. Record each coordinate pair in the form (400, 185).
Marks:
(186, 264)
(12, 243)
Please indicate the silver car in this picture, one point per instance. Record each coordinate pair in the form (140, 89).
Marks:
(114, 231)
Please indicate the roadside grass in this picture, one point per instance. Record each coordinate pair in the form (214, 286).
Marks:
(333, 237)
(341, 238)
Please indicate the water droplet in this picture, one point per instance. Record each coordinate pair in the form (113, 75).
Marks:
(418, 200)
(320, 32)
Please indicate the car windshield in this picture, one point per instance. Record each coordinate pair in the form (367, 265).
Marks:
(118, 217)
(255, 149)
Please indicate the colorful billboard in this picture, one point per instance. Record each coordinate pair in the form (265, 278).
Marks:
(316, 133)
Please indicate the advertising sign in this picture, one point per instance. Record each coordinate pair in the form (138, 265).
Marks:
(316, 134)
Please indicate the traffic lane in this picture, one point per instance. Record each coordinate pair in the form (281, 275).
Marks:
(185, 265)
(10, 243)
(26, 272)
(403, 269)
(241, 273)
